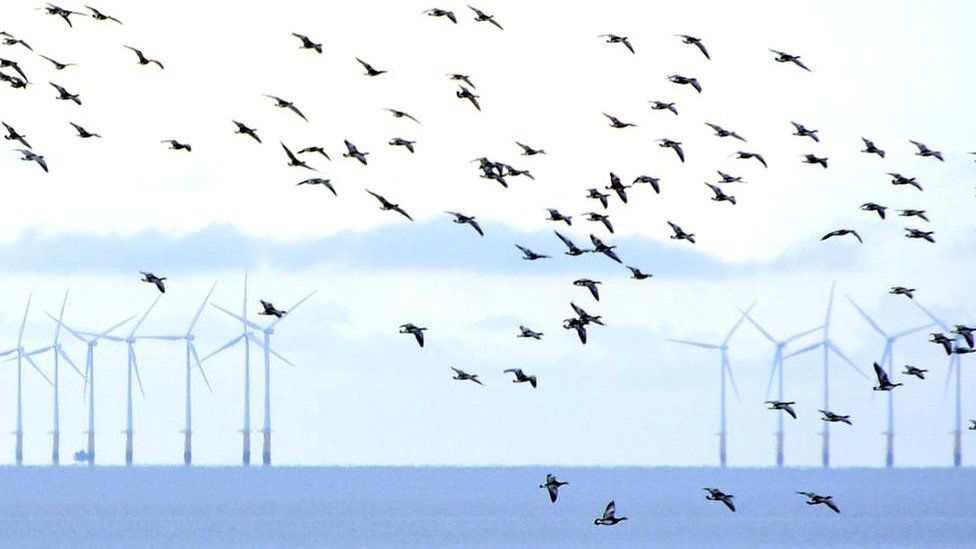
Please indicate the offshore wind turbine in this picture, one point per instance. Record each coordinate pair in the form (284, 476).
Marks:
(887, 362)
(21, 355)
(191, 350)
(828, 346)
(725, 367)
(777, 370)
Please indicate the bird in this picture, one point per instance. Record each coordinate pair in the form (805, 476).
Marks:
(674, 145)
(243, 129)
(400, 114)
(481, 16)
(686, 80)
(925, 151)
(462, 219)
(963, 350)
(872, 207)
(15, 81)
(82, 132)
(465, 93)
(417, 331)
(284, 104)
(9, 40)
(13, 135)
(813, 159)
(520, 377)
(608, 518)
(913, 371)
(636, 273)
(591, 285)
(605, 219)
(15, 66)
(578, 325)
(552, 486)
(510, 170)
(527, 333)
(966, 332)
(600, 247)
(270, 310)
(51, 9)
(842, 232)
(722, 132)
(153, 279)
(654, 182)
(597, 195)
(573, 249)
(387, 205)
(746, 155)
(65, 95)
(529, 151)
(353, 152)
(57, 64)
(831, 417)
(327, 183)
(143, 60)
(529, 255)
(816, 499)
(726, 178)
(461, 375)
(315, 149)
(617, 187)
(714, 494)
(679, 234)
(720, 195)
(914, 213)
(901, 290)
(802, 131)
(941, 339)
(782, 405)
(584, 317)
(33, 157)
(916, 233)
(783, 57)
(697, 42)
(884, 384)
(463, 78)
(663, 106)
(899, 179)
(99, 16)
(871, 148)
(617, 123)
(615, 39)
(370, 71)
(307, 43)
(177, 146)
(437, 12)
(400, 142)
(554, 215)
(973, 426)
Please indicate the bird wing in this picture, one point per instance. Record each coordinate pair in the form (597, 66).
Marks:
(159, 284)
(857, 236)
(804, 67)
(476, 227)
(833, 507)
(295, 110)
(291, 155)
(705, 53)
(728, 503)
(629, 47)
(569, 243)
(681, 153)
(402, 212)
(610, 510)
(552, 488)
(882, 376)
(419, 335)
(515, 371)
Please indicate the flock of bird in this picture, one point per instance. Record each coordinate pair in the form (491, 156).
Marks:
(12, 72)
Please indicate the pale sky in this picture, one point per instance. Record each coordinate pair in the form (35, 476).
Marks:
(364, 394)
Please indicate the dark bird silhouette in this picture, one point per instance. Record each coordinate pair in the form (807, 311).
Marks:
(782, 405)
(914, 213)
(33, 157)
(401, 114)
(899, 179)
(679, 234)
(686, 80)
(815, 499)
(315, 149)
(529, 151)
(387, 205)
(284, 104)
(813, 159)
(842, 232)
(461, 375)
(100, 16)
(615, 39)
(674, 145)
(802, 131)
(698, 43)
(270, 310)
(600, 247)
(520, 377)
(370, 71)
(597, 195)
(512, 171)
(901, 290)
(10, 40)
(417, 331)
(465, 93)
(722, 132)
(871, 148)
(353, 152)
(617, 123)
(747, 155)
(528, 333)
(529, 255)
(462, 219)
(916, 233)
(400, 142)
(552, 486)
(15, 82)
(663, 106)
(51, 9)
(605, 219)
(15, 66)
(243, 129)
(636, 273)
(591, 285)
(973, 426)
(153, 279)
(966, 332)
(307, 43)
(481, 16)
(884, 384)
(177, 146)
(584, 317)
(726, 178)
(714, 494)
(913, 371)
(65, 95)
(720, 195)
(57, 64)
(13, 135)
(143, 60)
(654, 182)
(463, 78)
(872, 207)
(327, 183)
(618, 187)
(437, 12)
(941, 339)
(578, 325)
(831, 417)
(82, 132)
(608, 518)
(783, 57)
(554, 215)
(925, 151)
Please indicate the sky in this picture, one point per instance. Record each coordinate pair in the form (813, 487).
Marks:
(361, 393)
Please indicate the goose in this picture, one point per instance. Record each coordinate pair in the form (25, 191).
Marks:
(842, 232)
(481, 16)
(387, 205)
(353, 152)
(270, 310)
(143, 60)
(578, 325)
(33, 157)
(745, 155)
(925, 151)
(370, 71)
(511, 170)
(916, 233)
(15, 66)
(65, 95)
(913, 371)
(714, 494)
(307, 43)
(293, 160)
(552, 486)
(973, 426)
(99, 16)
(13, 135)
(686, 80)
(914, 213)
(465, 93)
(966, 332)
(662, 106)
(783, 57)
(597, 195)
(527, 333)
(815, 499)
(400, 114)
(899, 179)
(941, 339)
(417, 331)
(554, 215)
(605, 219)
(315, 149)
(243, 129)
(726, 178)
(327, 183)
(782, 405)
(871, 148)
(400, 142)
(529, 151)
(11, 41)
(529, 255)
(461, 375)
(722, 132)
(462, 219)
(608, 518)
(15, 81)
(654, 182)
(51, 9)
(82, 132)
(520, 377)
(963, 350)
(615, 39)
(674, 145)
(831, 417)
(901, 290)
(285, 104)
(802, 131)
(600, 247)
(687, 39)
(636, 273)
(617, 123)
(584, 317)
(618, 187)
(463, 78)
(175, 145)
(590, 285)
(153, 279)
(573, 249)
(813, 159)
(679, 234)
(884, 384)
(720, 195)
(872, 207)
(437, 12)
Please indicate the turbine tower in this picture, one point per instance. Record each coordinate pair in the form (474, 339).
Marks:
(21, 355)
(777, 370)
(725, 367)
(887, 362)
(191, 350)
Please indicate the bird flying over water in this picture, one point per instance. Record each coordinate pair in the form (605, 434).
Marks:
(714, 494)
(552, 486)
(816, 499)
(609, 518)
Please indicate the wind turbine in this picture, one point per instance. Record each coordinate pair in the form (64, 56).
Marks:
(828, 347)
(21, 355)
(91, 342)
(777, 369)
(887, 362)
(191, 350)
(725, 367)
(954, 363)
(265, 345)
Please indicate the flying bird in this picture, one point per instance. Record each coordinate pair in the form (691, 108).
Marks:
(143, 60)
(600, 247)
(529, 151)
(578, 325)
(243, 129)
(714, 494)
(387, 205)
(802, 131)
(872, 207)
(573, 249)
(528, 333)
(663, 106)
(465, 93)
(270, 310)
(722, 132)
(615, 39)
(554, 215)
(842, 232)
(616, 122)
(51, 9)
(175, 145)
(747, 155)
(437, 12)
(654, 182)
(461, 375)
(916, 233)
(783, 57)
(941, 339)
(913, 371)
(370, 71)
(901, 290)
(462, 77)
(813, 159)
(591, 285)
(59, 66)
(315, 149)
(529, 255)
(914, 213)
(720, 195)
(284, 104)
(481, 16)
(636, 273)
(597, 195)
(13, 65)
(674, 145)
(782, 405)
(679, 234)
(899, 179)
(65, 95)
(400, 142)
(401, 114)
(966, 332)
(82, 132)
(520, 377)
(552, 486)
(100, 16)
(871, 148)
(726, 178)
(153, 279)
(307, 43)
(585, 317)
(327, 183)
(353, 152)
(925, 151)
(462, 219)
(417, 331)
(13, 135)
(32, 157)
(605, 219)
(815, 499)
(686, 80)
(617, 187)
(831, 417)
(884, 384)
(697, 42)
(608, 518)
(9, 40)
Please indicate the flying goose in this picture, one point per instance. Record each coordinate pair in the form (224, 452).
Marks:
(600, 247)
(552, 486)
(925, 151)
(417, 331)
(465, 93)
(175, 145)
(617, 123)
(401, 142)
(942, 339)
(370, 71)
(720, 195)
(462, 219)
(99, 16)
(913, 213)
(590, 285)
(327, 183)
(679, 234)
(615, 39)
(387, 205)
(51, 9)
(871, 148)
(15, 66)
(815, 499)
(353, 152)
(15, 81)
(528, 333)
(722, 132)
(578, 325)
(529, 151)
(511, 170)
(726, 178)
(243, 129)
(802, 131)
(307, 43)
(813, 159)
(13, 135)
(662, 106)
(31, 156)
(697, 42)
(913, 371)
(966, 332)
(654, 182)
(916, 233)
(315, 149)
(9, 40)
(636, 273)
(899, 179)
(618, 187)
(597, 195)
(782, 405)
(686, 80)
(153, 279)
(400, 114)
(872, 207)
(842, 232)
(284, 104)
(608, 518)
(463, 78)
(674, 145)
(831, 417)
(745, 155)
(481, 16)
(461, 375)
(269, 309)
(65, 95)
(293, 160)
(884, 384)
(605, 219)
(520, 377)
(901, 290)
(573, 249)
(714, 494)
(143, 60)
(82, 132)
(529, 255)
(783, 57)
(437, 12)
(554, 215)
(973, 426)
(585, 317)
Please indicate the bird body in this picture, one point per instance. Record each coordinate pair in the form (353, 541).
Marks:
(687, 39)
(153, 279)
(802, 131)
(815, 499)
(268, 309)
(529, 255)
(400, 142)
(722, 132)
(884, 384)
(285, 104)
(871, 148)
(528, 333)
(552, 486)
(609, 518)
(243, 129)
(782, 405)
(370, 71)
(437, 12)
(813, 159)
(65, 95)
(714, 494)
(720, 195)
(483, 17)
(82, 132)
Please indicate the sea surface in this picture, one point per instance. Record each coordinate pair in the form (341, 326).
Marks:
(480, 507)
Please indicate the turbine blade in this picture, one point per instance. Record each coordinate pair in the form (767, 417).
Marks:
(135, 366)
(271, 351)
(728, 368)
(57, 329)
(806, 349)
(247, 322)
(196, 358)
(66, 327)
(912, 330)
(696, 343)
(36, 367)
(112, 329)
(838, 352)
(144, 315)
(293, 307)
(930, 315)
(737, 324)
(830, 305)
(39, 351)
(70, 362)
(802, 334)
(162, 337)
(23, 323)
(867, 318)
(225, 346)
(760, 328)
(200, 310)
